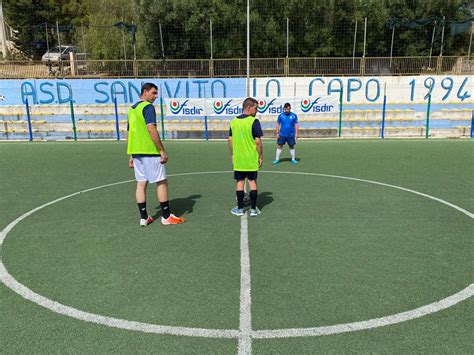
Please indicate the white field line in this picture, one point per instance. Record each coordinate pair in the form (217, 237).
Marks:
(245, 334)
(368, 324)
(7, 229)
(57, 307)
(467, 213)
(245, 339)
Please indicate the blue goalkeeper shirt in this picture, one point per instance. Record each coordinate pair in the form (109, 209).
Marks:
(287, 124)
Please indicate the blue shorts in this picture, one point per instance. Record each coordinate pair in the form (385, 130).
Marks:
(290, 140)
(241, 175)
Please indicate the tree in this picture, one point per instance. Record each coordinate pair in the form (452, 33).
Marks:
(317, 28)
(185, 27)
(31, 18)
(103, 39)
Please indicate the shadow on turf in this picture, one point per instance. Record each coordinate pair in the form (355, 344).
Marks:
(264, 198)
(179, 206)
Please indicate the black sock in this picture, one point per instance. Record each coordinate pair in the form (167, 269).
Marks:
(142, 209)
(240, 199)
(253, 199)
(165, 209)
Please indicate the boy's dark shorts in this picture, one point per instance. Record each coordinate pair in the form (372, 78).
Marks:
(290, 140)
(241, 175)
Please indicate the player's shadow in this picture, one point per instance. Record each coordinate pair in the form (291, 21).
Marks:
(179, 206)
(264, 198)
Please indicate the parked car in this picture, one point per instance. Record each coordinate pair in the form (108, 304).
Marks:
(56, 54)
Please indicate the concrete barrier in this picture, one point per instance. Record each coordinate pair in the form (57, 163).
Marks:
(98, 122)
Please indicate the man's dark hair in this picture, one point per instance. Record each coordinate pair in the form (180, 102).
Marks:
(287, 105)
(249, 102)
(148, 87)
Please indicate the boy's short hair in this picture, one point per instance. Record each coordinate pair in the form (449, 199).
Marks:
(287, 105)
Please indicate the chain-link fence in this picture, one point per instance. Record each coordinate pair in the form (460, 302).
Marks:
(119, 38)
(172, 29)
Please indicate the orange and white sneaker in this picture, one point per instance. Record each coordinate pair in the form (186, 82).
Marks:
(172, 219)
(145, 222)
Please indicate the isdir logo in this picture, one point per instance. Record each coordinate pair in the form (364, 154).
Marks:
(263, 105)
(306, 104)
(176, 107)
(219, 106)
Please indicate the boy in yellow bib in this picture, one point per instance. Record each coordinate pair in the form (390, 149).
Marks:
(245, 145)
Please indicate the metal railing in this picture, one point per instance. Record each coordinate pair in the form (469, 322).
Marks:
(324, 66)
(259, 67)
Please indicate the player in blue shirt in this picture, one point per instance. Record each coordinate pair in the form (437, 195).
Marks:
(287, 132)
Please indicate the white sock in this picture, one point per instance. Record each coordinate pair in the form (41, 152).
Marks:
(292, 153)
(278, 153)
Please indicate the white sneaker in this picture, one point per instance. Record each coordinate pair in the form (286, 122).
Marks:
(145, 222)
(254, 212)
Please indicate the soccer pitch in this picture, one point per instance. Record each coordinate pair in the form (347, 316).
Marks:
(365, 246)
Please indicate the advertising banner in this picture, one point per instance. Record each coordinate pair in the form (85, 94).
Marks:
(300, 105)
(226, 107)
(186, 107)
(314, 105)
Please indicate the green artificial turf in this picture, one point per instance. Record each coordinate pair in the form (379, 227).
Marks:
(324, 250)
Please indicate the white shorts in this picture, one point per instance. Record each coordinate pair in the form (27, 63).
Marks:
(149, 169)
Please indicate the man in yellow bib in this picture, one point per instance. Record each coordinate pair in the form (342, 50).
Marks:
(148, 156)
(245, 145)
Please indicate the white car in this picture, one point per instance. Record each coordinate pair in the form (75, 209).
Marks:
(56, 54)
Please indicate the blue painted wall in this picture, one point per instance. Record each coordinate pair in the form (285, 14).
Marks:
(361, 91)
(97, 91)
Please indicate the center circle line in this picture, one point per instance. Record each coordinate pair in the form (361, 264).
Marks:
(59, 308)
